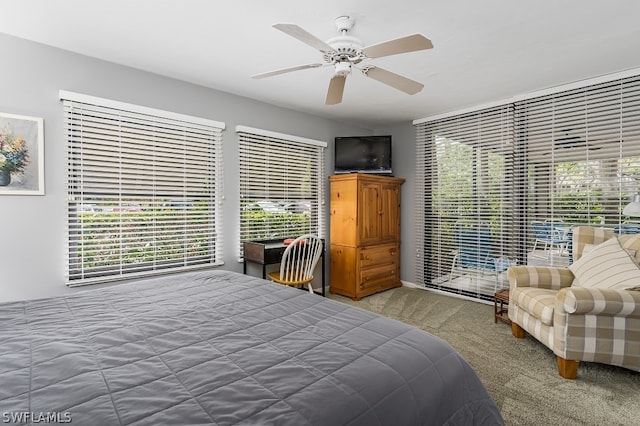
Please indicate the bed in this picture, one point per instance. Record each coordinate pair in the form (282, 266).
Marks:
(218, 347)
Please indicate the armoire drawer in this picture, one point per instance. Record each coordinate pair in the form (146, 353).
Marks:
(378, 255)
(379, 276)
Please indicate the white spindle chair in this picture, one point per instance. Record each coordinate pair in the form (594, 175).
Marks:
(299, 261)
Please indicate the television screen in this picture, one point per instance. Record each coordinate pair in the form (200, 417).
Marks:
(363, 154)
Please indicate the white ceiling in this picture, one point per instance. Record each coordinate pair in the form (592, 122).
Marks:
(483, 50)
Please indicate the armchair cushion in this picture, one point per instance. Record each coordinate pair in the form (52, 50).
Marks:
(539, 302)
(608, 265)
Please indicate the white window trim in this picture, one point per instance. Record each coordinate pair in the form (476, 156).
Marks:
(109, 103)
(276, 135)
(535, 94)
(241, 129)
(173, 119)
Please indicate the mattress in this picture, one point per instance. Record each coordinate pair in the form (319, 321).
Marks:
(218, 347)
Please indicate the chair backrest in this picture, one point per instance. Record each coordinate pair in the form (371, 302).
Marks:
(588, 235)
(300, 258)
(542, 230)
(475, 246)
(627, 228)
(546, 231)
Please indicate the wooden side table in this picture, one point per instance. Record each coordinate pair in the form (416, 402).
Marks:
(500, 306)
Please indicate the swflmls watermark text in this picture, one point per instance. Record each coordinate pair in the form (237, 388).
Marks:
(36, 417)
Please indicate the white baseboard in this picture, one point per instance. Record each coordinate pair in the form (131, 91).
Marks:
(410, 284)
(444, 293)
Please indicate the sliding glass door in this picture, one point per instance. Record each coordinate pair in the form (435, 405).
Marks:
(468, 213)
(557, 161)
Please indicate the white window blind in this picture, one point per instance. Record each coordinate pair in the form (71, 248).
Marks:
(144, 190)
(281, 185)
(465, 165)
(582, 152)
(569, 158)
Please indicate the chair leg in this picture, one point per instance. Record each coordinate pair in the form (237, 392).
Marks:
(567, 368)
(453, 265)
(517, 331)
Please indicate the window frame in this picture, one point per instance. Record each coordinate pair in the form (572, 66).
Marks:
(153, 181)
(266, 176)
(590, 127)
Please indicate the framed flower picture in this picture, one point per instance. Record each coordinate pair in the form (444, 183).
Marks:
(21, 155)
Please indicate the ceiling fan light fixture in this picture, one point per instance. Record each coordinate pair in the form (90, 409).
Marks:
(342, 69)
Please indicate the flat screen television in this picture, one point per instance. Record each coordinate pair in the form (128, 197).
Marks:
(363, 154)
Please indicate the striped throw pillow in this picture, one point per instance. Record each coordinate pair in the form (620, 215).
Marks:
(631, 242)
(607, 265)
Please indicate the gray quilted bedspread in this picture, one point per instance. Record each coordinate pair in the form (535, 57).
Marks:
(218, 347)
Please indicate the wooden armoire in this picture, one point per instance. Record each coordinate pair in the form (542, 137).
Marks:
(365, 234)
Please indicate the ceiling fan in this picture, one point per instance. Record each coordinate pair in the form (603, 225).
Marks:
(345, 52)
(573, 143)
(569, 141)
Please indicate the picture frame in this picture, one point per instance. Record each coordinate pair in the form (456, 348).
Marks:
(21, 155)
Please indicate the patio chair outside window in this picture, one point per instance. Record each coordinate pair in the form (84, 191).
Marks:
(474, 253)
(548, 234)
(627, 228)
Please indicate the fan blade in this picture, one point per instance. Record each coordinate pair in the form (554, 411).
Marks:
(336, 89)
(397, 81)
(406, 44)
(285, 70)
(295, 31)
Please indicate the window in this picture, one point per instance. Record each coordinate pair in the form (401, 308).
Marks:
(470, 159)
(281, 185)
(572, 156)
(144, 190)
(582, 153)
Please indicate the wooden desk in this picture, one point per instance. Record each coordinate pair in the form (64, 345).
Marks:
(269, 252)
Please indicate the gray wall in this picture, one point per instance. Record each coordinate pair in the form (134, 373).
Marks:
(32, 228)
(404, 166)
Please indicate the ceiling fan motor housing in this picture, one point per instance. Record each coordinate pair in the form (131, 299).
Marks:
(346, 49)
(343, 68)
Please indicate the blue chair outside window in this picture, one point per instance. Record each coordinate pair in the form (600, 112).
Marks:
(548, 234)
(474, 253)
(627, 228)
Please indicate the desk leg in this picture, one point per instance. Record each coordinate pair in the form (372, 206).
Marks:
(264, 271)
(244, 267)
(323, 275)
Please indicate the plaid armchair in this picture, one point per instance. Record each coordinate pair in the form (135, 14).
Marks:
(576, 323)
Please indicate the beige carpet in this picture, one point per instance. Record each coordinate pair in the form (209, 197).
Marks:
(520, 374)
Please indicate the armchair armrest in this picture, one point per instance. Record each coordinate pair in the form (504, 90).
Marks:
(540, 277)
(598, 301)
